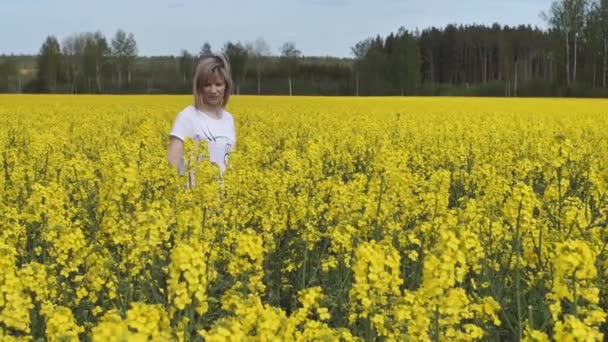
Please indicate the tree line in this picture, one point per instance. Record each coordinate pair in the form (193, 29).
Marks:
(569, 58)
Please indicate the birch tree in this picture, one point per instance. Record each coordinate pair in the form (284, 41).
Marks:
(124, 52)
(289, 57)
(569, 18)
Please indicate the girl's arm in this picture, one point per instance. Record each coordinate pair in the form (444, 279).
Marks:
(174, 153)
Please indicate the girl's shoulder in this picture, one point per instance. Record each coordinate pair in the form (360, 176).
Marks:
(188, 114)
(228, 115)
(188, 111)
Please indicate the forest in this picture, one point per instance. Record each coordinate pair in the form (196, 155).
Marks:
(568, 58)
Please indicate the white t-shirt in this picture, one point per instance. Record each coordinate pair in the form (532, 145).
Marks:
(219, 134)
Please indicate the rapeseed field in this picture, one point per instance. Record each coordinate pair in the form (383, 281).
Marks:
(338, 219)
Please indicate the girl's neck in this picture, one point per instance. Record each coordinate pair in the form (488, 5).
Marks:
(213, 111)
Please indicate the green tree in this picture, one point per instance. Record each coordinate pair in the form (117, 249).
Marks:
(8, 73)
(602, 18)
(205, 50)
(592, 52)
(360, 51)
(96, 54)
(49, 65)
(186, 67)
(404, 59)
(237, 56)
(259, 52)
(124, 52)
(73, 50)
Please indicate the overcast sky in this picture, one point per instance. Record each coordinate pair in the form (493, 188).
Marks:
(317, 27)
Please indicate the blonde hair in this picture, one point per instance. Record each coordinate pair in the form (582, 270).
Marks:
(206, 68)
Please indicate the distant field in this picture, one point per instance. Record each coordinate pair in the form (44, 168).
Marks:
(338, 218)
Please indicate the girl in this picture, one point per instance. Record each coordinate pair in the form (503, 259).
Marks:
(206, 120)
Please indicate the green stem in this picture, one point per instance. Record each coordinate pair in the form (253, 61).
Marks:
(303, 286)
(435, 332)
(531, 319)
(518, 273)
(575, 294)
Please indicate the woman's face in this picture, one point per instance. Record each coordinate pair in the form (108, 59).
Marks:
(213, 90)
